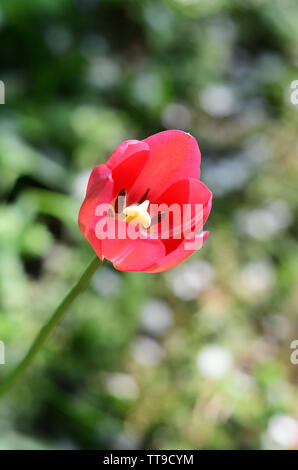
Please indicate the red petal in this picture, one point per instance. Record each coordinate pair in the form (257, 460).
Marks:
(125, 150)
(131, 255)
(190, 192)
(179, 255)
(99, 190)
(174, 155)
(127, 162)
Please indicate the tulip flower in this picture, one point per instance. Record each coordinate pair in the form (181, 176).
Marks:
(138, 178)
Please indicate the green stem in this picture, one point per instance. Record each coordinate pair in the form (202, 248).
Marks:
(49, 326)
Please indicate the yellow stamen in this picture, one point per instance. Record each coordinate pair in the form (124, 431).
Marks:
(137, 214)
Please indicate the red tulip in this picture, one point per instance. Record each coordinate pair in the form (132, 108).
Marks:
(123, 194)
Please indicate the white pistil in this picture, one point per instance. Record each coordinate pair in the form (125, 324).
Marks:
(137, 214)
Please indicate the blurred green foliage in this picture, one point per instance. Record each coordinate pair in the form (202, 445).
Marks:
(195, 358)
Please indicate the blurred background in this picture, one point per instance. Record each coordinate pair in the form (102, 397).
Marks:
(198, 357)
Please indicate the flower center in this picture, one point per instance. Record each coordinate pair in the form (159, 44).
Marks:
(138, 214)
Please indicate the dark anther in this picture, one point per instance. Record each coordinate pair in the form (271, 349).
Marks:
(120, 201)
(144, 197)
(158, 218)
